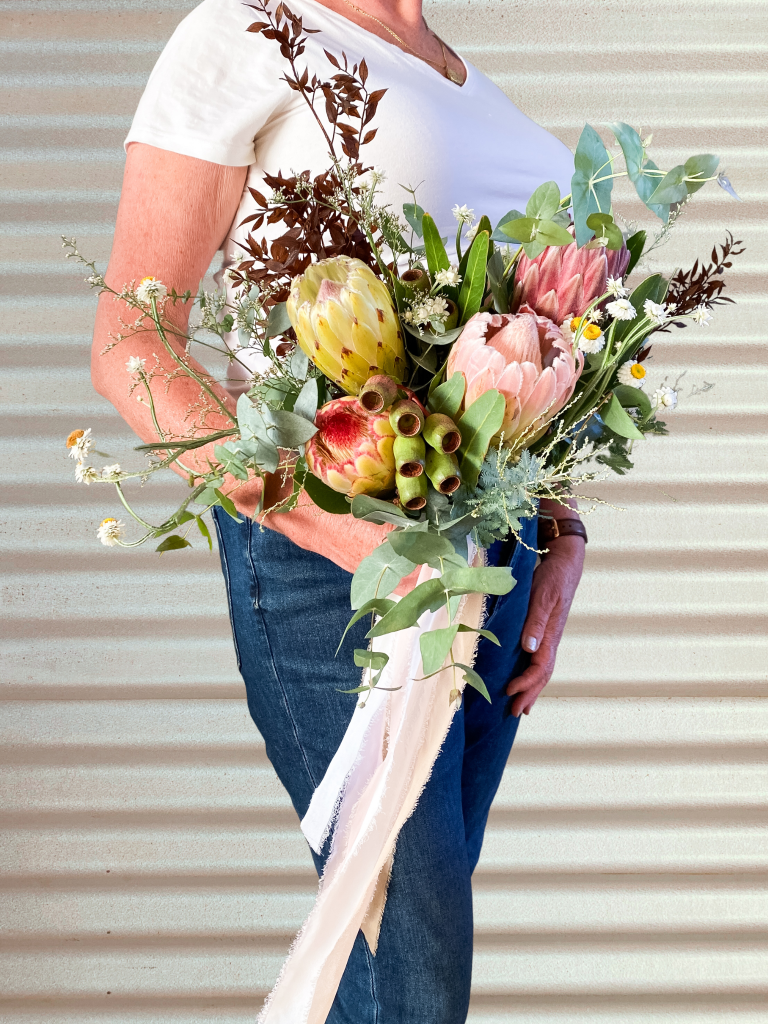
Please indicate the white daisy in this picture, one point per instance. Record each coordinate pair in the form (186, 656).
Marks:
(632, 373)
(85, 474)
(150, 288)
(134, 364)
(621, 309)
(592, 340)
(110, 532)
(701, 316)
(655, 312)
(110, 472)
(664, 397)
(79, 443)
(448, 277)
(463, 214)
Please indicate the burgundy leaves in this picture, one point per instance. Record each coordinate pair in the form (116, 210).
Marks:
(702, 285)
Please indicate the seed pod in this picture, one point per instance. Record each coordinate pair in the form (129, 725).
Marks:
(443, 471)
(412, 491)
(378, 393)
(452, 319)
(410, 453)
(406, 418)
(415, 279)
(442, 433)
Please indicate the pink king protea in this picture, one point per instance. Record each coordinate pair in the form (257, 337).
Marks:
(526, 358)
(562, 281)
(352, 449)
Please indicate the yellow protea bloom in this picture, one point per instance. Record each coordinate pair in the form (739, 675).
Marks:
(345, 322)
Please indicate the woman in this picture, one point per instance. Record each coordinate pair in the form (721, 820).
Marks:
(215, 116)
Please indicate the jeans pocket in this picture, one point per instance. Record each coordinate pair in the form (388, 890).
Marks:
(227, 585)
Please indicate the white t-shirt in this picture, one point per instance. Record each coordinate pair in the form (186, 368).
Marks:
(216, 94)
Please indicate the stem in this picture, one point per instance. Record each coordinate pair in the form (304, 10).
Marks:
(144, 523)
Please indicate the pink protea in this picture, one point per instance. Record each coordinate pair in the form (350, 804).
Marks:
(526, 358)
(563, 280)
(352, 449)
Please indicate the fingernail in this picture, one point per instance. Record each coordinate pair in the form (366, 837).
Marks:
(531, 643)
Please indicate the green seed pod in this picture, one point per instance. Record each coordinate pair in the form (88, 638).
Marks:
(416, 280)
(443, 471)
(412, 491)
(410, 453)
(442, 433)
(452, 320)
(406, 418)
(378, 393)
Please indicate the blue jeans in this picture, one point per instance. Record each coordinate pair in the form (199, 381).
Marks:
(289, 608)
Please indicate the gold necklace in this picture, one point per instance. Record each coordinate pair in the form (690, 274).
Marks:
(452, 75)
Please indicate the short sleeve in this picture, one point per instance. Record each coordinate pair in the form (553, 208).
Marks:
(213, 88)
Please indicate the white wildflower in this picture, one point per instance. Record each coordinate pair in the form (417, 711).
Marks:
(110, 472)
(449, 277)
(621, 309)
(615, 286)
(85, 474)
(471, 232)
(150, 288)
(592, 340)
(463, 214)
(423, 311)
(79, 443)
(135, 364)
(110, 532)
(371, 179)
(702, 316)
(655, 312)
(664, 397)
(632, 374)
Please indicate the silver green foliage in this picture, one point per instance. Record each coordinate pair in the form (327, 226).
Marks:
(502, 496)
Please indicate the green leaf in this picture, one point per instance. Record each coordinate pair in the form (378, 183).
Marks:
(485, 580)
(173, 543)
(645, 185)
(477, 426)
(631, 146)
(500, 233)
(447, 398)
(653, 288)
(375, 510)
(435, 647)
(306, 403)
(278, 321)
(203, 528)
(473, 285)
(474, 680)
(420, 547)
(437, 257)
(633, 398)
(483, 632)
(407, 612)
(290, 430)
(378, 575)
(228, 505)
(591, 161)
(671, 188)
(545, 201)
(325, 497)
(498, 282)
(377, 605)
(230, 461)
(371, 659)
(619, 421)
(299, 364)
(522, 230)
(551, 233)
(702, 166)
(635, 245)
(413, 213)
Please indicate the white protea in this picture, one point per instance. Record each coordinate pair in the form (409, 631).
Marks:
(110, 532)
(621, 309)
(664, 398)
(85, 474)
(150, 288)
(79, 443)
(632, 374)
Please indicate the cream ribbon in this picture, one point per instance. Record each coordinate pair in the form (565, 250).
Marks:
(370, 789)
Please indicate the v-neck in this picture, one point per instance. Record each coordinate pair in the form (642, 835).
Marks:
(412, 57)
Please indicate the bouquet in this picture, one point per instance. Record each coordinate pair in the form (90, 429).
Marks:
(443, 391)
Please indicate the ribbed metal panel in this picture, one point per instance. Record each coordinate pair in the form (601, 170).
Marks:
(152, 869)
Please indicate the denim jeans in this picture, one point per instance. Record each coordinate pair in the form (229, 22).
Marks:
(289, 608)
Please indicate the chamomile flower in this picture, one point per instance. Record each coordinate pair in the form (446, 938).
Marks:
(110, 532)
(615, 286)
(463, 214)
(135, 365)
(621, 309)
(79, 443)
(85, 474)
(701, 316)
(656, 313)
(592, 340)
(110, 472)
(448, 277)
(632, 374)
(664, 397)
(150, 288)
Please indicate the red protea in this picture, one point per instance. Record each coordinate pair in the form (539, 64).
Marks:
(352, 449)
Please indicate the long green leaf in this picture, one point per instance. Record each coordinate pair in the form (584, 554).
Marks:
(203, 528)
(421, 547)
(378, 574)
(477, 426)
(437, 257)
(484, 580)
(407, 612)
(173, 543)
(377, 605)
(633, 398)
(631, 146)
(473, 285)
(374, 510)
(228, 505)
(635, 246)
(475, 681)
(485, 633)
(325, 497)
(591, 162)
(447, 398)
(619, 421)
(435, 647)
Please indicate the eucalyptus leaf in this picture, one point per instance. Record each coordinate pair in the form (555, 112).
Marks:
(378, 575)
(278, 321)
(228, 505)
(473, 285)
(474, 680)
(377, 606)
(484, 580)
(290, 430)
(591, 161)
(702, 166)
(230, 462)
(306, 402)
(420, 547)
(375, 660)
(500, 234)
(645, 185)
(551, 233)
(447, 398)
(435, 646)
(375, 510)
(174, 543)
(203, 528)
(447, 338)
(477, 426)
(407, 612)
(631, 146)
(522, 230)
(671, 188)
(545, 201)
(485, 633)
(619, 421)
(413, 213)
(325, 497)
(437, 257)
(299, 364)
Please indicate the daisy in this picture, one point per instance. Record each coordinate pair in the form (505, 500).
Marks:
(150, 288)
(664, 397)
(110, 472)
(110, 532)
(621, 309)
(655, 312)
(632, 373)
(592, 340)
(85, 474)
(615, 286)
(79, 443)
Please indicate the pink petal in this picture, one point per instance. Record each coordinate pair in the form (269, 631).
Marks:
(571, 298)
(540, 399)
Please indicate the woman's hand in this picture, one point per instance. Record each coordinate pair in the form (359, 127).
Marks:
(554, 585)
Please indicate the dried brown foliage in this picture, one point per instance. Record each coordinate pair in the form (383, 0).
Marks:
(702, 285)
(318, 227)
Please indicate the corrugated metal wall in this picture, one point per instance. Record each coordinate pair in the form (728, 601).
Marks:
(152, 868)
